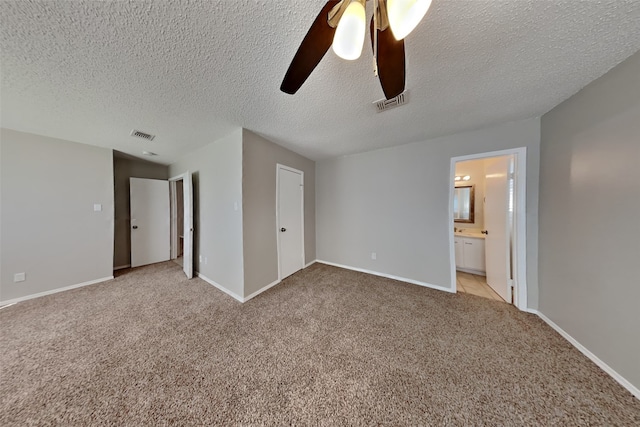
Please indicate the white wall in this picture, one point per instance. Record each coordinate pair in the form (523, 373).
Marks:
(217, 188)
(395, 202)
(49, 228)
(589, 247)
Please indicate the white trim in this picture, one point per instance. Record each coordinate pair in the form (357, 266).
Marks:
(520, 238)
(389, 276)
(55, 291)
(121, 267)
(173, 200)
(270, 285)
(187, 221)
(280, 166)
(310, 263)
(259, 291)
(472, 271)
(595, 359)
(220, 287)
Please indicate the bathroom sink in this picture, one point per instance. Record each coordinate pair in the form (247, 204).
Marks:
(469, 233)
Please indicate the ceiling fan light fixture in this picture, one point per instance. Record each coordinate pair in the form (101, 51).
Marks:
(405, 15)
(349, 37)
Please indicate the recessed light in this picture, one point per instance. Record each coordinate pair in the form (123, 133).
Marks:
(149, 153)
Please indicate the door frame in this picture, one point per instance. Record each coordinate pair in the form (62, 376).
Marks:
(520, 219)
(173, 184)
(290, 169)
(174, 218)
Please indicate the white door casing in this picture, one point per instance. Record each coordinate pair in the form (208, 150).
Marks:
(496, 222)
(519, 216)
(150, 232)
(186, 181)
(188, 225)
(290, 220)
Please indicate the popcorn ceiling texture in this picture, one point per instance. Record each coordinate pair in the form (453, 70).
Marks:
(191, 72)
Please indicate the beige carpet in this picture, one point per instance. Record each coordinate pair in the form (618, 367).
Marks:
(326, 347)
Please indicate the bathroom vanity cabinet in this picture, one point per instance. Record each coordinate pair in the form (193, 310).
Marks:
(470, 254)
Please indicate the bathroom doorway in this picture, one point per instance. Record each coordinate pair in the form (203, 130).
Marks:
(487, 213)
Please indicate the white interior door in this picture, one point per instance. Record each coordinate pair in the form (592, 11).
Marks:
(290, 220)
(150, 231)
(496, 223)
(187, 264)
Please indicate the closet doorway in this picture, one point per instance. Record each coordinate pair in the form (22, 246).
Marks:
(162, 221)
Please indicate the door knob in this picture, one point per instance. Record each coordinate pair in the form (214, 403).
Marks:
(283, 229)
(485, 232)
(134, 227)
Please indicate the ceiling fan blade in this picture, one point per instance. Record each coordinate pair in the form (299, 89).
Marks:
(391, 62)
(312, 49)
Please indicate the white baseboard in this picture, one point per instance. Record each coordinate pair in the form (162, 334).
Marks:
(55, 291)
(271, 285)
(389, 276)
(121, 267)
(220, 287)
(472, 271)
(259, 291)
(595, 359)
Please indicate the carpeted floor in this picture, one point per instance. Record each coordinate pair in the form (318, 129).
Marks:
(325, 347)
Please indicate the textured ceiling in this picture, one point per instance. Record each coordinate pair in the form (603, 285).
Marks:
(192, 71)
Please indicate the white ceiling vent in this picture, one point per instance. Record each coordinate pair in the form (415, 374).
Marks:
(142, 135)
(387, 104)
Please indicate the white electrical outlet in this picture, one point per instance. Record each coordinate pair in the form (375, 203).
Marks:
(205, 260)
(374, 255)
(19, 277)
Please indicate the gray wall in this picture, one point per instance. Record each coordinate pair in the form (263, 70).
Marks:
(395, 202)
(49, 228)
(125, 167)
(217, 188)
(259, 160)
(589, 250)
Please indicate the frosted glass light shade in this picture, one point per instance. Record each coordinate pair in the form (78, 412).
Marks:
(405, 15)
(349, 37)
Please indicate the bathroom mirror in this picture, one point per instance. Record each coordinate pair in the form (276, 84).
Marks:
(463, 206)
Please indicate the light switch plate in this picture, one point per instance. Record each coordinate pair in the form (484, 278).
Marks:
(19, 277)
(97, 207)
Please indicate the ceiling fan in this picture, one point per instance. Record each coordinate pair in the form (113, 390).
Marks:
(341, 23)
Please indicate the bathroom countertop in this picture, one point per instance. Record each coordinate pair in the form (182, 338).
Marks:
(477, 235)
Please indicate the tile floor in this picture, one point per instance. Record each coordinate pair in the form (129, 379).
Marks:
(476, 285)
